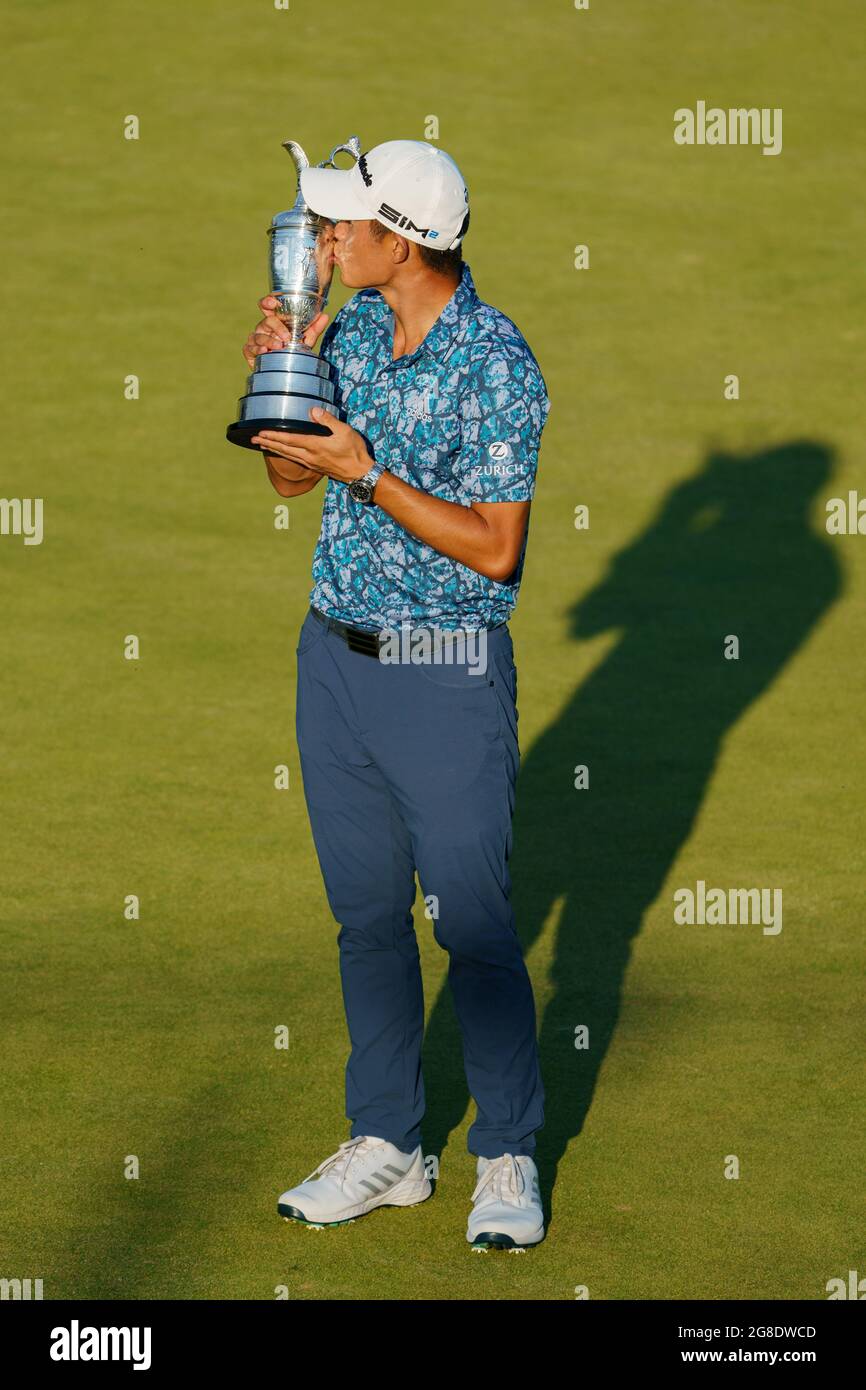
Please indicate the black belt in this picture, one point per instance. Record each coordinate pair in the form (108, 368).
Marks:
(362, 639)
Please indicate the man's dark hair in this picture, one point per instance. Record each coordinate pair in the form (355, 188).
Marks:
(445, 262)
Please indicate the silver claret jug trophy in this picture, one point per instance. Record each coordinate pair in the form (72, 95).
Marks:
(284, 384)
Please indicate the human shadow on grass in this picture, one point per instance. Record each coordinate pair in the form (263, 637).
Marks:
(731, 550)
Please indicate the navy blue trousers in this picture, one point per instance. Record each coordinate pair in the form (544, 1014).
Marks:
(412, 768)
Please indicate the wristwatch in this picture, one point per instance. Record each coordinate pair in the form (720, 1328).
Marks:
(362, 489)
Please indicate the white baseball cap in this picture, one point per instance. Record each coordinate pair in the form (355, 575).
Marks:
(410, 186)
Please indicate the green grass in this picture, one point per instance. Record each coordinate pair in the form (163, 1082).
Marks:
(155, 1038)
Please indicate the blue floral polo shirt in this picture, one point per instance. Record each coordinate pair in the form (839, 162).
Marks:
(461, 418)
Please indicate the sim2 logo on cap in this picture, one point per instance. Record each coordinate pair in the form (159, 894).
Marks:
(400, 220)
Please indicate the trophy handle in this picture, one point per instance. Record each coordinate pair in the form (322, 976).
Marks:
(298, 155)
(352, 147)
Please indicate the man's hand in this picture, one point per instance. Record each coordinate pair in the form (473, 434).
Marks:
(272, 334)
(342, 454)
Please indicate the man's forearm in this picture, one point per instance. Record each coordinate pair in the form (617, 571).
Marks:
(293, 479)
(457, 531)
(486, 537)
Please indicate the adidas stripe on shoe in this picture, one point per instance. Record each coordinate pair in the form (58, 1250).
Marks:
(364, 1173)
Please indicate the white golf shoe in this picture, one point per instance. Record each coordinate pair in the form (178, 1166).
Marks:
(364, 1173)
(506, 1212)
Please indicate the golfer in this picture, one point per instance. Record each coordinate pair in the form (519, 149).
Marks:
(409, 765)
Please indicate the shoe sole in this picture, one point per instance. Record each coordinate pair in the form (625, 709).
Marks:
(290, 1213)
(498, 1240)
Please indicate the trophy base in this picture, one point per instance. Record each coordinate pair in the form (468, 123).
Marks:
(242, 431)
(281, 390)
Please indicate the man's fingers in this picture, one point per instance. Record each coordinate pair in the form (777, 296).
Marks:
(272, 324)
(271, 334)
(271, 329)
(267, 342)
(284, 451)
(254, 348)
(320, 415)
(318, 326)
(287, 446)
(293, 441)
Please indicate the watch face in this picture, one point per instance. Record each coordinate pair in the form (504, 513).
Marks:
(360, 490)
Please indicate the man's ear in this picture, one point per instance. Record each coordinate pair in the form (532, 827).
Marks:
(400, 252)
